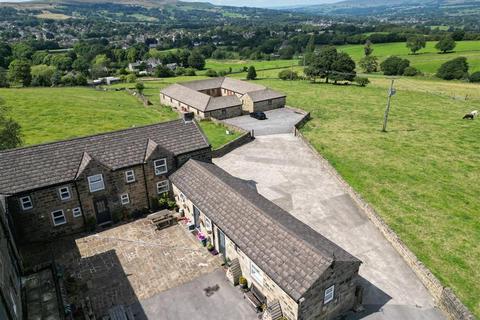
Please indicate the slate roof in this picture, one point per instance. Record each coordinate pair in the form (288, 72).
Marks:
(39, 166)
(290, 252)
(267, 94)
(188, 93)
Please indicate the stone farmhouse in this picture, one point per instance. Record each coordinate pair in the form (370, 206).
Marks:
(289, 263)
(58, 188)
(221, 98)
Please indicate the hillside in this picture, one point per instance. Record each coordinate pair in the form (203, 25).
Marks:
(143, 3)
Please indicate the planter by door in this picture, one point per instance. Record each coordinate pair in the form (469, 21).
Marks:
(221, 243)
(102, 212)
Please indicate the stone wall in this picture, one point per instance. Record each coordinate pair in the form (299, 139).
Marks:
(232, 145)
(443, 296)
(250, 106)
(226, 113)
(343, 276)
(10, 283)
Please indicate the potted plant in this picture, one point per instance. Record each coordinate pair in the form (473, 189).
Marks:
(242, 281)
(210, 247)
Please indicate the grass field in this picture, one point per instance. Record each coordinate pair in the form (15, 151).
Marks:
(51, 114)
(237, 65)
(427, 60)
(422, 176)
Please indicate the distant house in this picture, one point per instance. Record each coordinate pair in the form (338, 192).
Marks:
(149, 65)
(296, 269)
(221, 98)
(105, 80)
(58, 188)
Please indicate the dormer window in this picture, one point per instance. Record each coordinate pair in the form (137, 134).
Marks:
(64, 193)
(26, 203)
(160, 166)
(130, 176)
(95, 183)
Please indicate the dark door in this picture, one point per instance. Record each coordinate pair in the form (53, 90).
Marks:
(221, 243)
(101, 210)
(196, 217)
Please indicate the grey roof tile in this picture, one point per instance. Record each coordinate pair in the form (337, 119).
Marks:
(290, 252)
(39, 166)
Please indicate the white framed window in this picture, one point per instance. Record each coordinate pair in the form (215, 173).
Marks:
(77, 212)
(160, 166)
(130, 176)
(95, 183)
(26, 203)
(208, 224)
(163, 186)
(329, 294)
(64, 193)
(125, 199)
(58, 218)
(182, 197)
(256, 273)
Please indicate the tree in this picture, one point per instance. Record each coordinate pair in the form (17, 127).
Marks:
(458, 35)
(362, 81)
(100, 66)
(19, 72)
(196, 60)
(454, 69)
(3, 78)
(163, 72)
(393, 66)
(10, 131)
(22, 51)
(321, 64)
(475, 77)
(415, 43)
(140, 87)
(288, 74)
(411, 71)
(286, 52)
(367, 49)
(211, 73)
(343, 68)
(5, 55)
(81, 65)
(369, 64)
(252, 73)
(62, 62)
(132, 54)
(42, 75)
(309, 50)
(446, 44)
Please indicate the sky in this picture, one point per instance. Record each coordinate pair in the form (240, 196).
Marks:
(249, 3)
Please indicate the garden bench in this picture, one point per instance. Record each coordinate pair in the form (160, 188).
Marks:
(255, 297)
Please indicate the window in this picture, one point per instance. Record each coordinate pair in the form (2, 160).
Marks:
(208, 224)
(58, 218)
(163, 187)
(182, 197)
(256, 273)
(64, 193)
(130, 176)
(95, 183)
(26, 203)
(125, 199)
(329, 293)
(77, 212)
(160, 166)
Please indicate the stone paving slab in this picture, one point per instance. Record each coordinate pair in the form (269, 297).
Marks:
(131, 262)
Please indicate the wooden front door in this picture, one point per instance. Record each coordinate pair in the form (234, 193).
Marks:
(196, 217)
(102, 212)
(221, 243)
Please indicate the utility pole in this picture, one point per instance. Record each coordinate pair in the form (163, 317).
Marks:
(391, 92)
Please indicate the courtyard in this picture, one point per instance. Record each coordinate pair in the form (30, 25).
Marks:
(135, 265)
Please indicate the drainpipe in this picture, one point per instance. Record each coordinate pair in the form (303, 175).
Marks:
(146, 186)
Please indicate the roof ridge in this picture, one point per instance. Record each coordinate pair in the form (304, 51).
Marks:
(85, 137)
(197, 162)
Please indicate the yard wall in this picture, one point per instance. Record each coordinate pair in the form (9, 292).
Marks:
(232, 145)
(443, 296)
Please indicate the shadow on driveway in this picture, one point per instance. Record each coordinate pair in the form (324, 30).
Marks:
(209, 296)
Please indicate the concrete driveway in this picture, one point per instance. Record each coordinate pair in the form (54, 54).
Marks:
(190, 302)
(288, 173)
(278, 121)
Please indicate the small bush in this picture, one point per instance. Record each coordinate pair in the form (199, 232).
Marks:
(288, 75)
(91, 224)
(362, 81)
(475, 77)
(454, 69)
(242, 281)
(164, 72)
(411, 72)
(394, 66)
(211, 73)
(190, 72)
(131, 78)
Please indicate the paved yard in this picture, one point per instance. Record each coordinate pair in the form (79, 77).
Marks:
(130, 263)
(287, 172)
(190, 301)
(278, 121)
